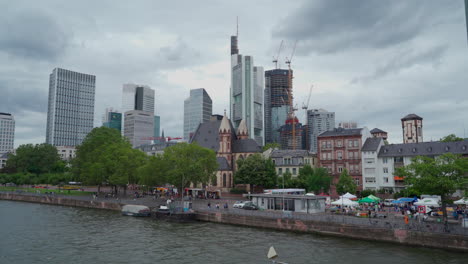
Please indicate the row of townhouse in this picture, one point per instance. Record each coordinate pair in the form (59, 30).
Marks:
(380, 161)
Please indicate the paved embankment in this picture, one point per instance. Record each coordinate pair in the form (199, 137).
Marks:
(307, 223)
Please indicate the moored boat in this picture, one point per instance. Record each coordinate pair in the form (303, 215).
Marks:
(136, 210)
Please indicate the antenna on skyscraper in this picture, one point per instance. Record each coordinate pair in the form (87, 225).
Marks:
(237, 26)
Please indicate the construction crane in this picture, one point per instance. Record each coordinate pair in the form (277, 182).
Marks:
(306, 106)
(275, 60)
(292, 109)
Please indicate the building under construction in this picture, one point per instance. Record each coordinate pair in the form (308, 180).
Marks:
(277, 102)
(292, 134)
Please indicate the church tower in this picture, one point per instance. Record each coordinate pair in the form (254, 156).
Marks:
(225, 140)
(242, 131)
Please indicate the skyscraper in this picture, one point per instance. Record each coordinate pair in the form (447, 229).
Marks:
(318, 121)
(276, 103)
(197, 109)
(70, 113)
(112, 119)
(246, 101)
(157, 126)
(137, 97)
(7, 132)
(139, 127)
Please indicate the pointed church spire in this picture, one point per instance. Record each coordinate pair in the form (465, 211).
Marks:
(225, 126)
(242, 131)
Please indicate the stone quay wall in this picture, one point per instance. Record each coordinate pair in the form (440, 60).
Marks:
(400, 236)
(65, 201)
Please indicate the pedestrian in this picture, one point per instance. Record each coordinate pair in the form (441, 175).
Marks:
(225, 206)
(209, 205)
(217, 206)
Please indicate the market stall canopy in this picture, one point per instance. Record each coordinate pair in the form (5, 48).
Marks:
(373, 197)
(427, 202)
(462, 201)
(407, 200)
(348, 196)
(367, 200)
(345, 201)
(397, 202)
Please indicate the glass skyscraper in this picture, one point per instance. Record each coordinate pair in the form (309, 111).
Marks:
(318, 121)
(7, 132)
(70, 113)
(198, 108)
(112, 119)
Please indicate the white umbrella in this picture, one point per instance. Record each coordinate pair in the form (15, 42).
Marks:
(462, 201)
(345, 202)
(349, 196)
(427, 202)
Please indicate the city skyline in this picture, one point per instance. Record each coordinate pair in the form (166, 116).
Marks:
(412, 53)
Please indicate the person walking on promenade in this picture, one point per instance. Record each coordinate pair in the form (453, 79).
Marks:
(225, 206)
(209, 205)
(217, 206)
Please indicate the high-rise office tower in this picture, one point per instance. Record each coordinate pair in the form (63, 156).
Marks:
(137, 97)
(70, 113)
(157, 126)
(246, 100)
(139, 127)
(276, 103)
(197, 109)
(7, 133)
(318, 121)
(412, 128)
(112, 119)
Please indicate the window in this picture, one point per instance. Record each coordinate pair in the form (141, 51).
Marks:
(350, 155)
(369, 161)
(385, 179)
(287, 170)
(329, 156)
(339, 143)
(274, 161)
(329, 144)
(280, 171)
(324, 156)
(385, 160)
(339, 155)
(294, 171)
(356, 180)
(350, 143)
(385, 170)
(356, 143)
(370, 180)
(340, 169)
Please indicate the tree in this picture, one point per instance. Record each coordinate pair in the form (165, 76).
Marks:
(451, 138)
(315, 179)
(256, 170)
(36, 159)
(102, 154)
(154, 172)
(271, 145)
(190, 164)
(442, 175)
(345, 183)
(125, 163)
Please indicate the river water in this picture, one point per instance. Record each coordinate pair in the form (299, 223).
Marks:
(36, 233)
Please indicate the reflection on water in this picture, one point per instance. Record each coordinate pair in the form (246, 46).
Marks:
(35, 233)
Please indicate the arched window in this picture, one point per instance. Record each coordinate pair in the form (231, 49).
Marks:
(224, 179)
(230, 180)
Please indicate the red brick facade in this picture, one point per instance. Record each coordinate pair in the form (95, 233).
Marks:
(337, 153)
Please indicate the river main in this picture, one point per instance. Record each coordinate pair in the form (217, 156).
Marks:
(37, 233)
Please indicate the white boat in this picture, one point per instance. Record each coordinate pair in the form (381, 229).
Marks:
(136, 210)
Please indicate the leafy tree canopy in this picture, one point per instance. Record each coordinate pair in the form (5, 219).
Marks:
(271, 145)
(256, 170)
(345, 183)
(315, 180)
(36, 159)
(451, 138)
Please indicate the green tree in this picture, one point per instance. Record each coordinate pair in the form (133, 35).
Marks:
(315, 179)
(190, 164)
(451, 138)
(153, 172)
(256, 170)
(101, 156)
(442, 175)
(271, 145)
(367, 192)
(345, 183)
(36, 159)
(125, 163)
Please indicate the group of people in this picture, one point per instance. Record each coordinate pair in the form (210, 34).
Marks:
(217, 206)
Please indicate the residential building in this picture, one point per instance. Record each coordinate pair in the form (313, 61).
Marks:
(3, 159)
(289, 138)
(318, 121)
(277, 103)
(340, 149)
(70, 113)
(380, 161)
(66, 153)
(379, 133)
(197, 109)
(291, 160)
(112, 119)
(246, 100)
(412, 128)
(156, 148)
(157, 127)
(7, 132)
(230, 145)
(137, 97)
(139, 127)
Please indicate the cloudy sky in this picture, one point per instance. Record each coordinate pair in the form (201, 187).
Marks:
(369, 61)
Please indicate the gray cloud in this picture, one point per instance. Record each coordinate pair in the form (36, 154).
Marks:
(32, 34)
(329, 26)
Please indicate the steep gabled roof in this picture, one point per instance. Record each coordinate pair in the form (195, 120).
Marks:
(371, 144)
(245, 145)
(223, 164)
(207, 134)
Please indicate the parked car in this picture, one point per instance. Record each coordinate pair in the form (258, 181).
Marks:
(239, 204)
(388, 202)
(250, 206)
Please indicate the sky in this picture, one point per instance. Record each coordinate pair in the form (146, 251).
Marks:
(369, 61)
